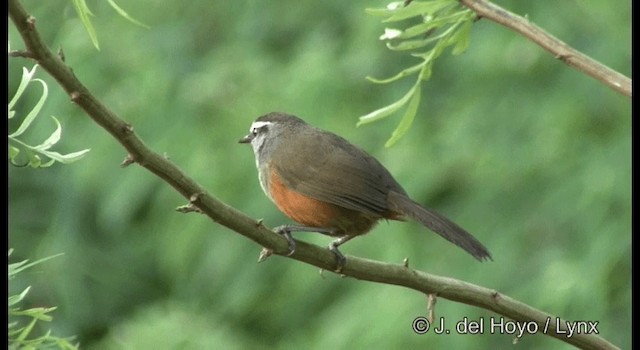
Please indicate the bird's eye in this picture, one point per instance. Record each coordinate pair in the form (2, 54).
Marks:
(259, 128)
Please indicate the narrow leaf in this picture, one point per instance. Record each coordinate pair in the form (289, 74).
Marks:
(14, 268)
(52, 139)
(64, 158)
(384, 11)
(407, 119)
(463, 38)
(83, 12)
(386, 111)
(14, 299)
(412, 44)
(402, 74)
(34, 112)
(24, 81)
(124, 14)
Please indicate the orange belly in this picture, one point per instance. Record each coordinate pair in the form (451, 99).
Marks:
(311, 212)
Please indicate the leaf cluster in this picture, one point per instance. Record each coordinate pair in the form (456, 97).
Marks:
(441, 24)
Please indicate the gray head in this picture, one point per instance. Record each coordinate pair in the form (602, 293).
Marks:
(264, 133)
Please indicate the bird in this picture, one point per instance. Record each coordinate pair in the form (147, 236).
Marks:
(330, 186)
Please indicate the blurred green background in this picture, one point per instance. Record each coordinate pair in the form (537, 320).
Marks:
(531, 156)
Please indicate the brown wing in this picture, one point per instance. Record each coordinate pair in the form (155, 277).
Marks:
(326, 167)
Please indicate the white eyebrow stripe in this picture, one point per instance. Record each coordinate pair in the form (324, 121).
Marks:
(258, 125)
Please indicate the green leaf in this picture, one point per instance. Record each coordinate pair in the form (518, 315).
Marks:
(426, 71)
(402, 74)
(384, 11)
(63, 158)
(52, 139)
(462, 38)
(437, 22)
(412, 44)
(24, 81)
(38, 313)
(407, 119)
(124, 14)
(386, 111)
(416, 8)
(34, 112)
(14, 299)
(83, 12)
(14, 268)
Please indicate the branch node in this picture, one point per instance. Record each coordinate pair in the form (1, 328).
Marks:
(127, 128)
(264, 254)
(189, 208)
(31, 22)
(75, 96)
(195, 197)
(128, 160)
(495, 295)
(259, 223)
(61, 54)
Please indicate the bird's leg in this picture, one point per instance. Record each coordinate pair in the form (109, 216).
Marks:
(333, 247)
(285, 231)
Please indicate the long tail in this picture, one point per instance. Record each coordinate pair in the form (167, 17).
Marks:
(439, 224)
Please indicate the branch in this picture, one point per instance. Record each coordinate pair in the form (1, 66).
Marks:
(558, 48)
(199, 200)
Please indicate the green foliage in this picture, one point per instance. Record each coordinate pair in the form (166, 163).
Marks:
(19, 334)
(85, 17)
(34, 153)
(442, 23)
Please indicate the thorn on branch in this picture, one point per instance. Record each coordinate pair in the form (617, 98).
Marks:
(405, 262)
(264, 254)
(128, 160)
(431, 307)
(495, 296)
(259, 223)
(61, 54)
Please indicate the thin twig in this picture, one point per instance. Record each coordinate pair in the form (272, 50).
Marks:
(559, 49)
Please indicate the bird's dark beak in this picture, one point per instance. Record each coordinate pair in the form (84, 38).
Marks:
(247, 138)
